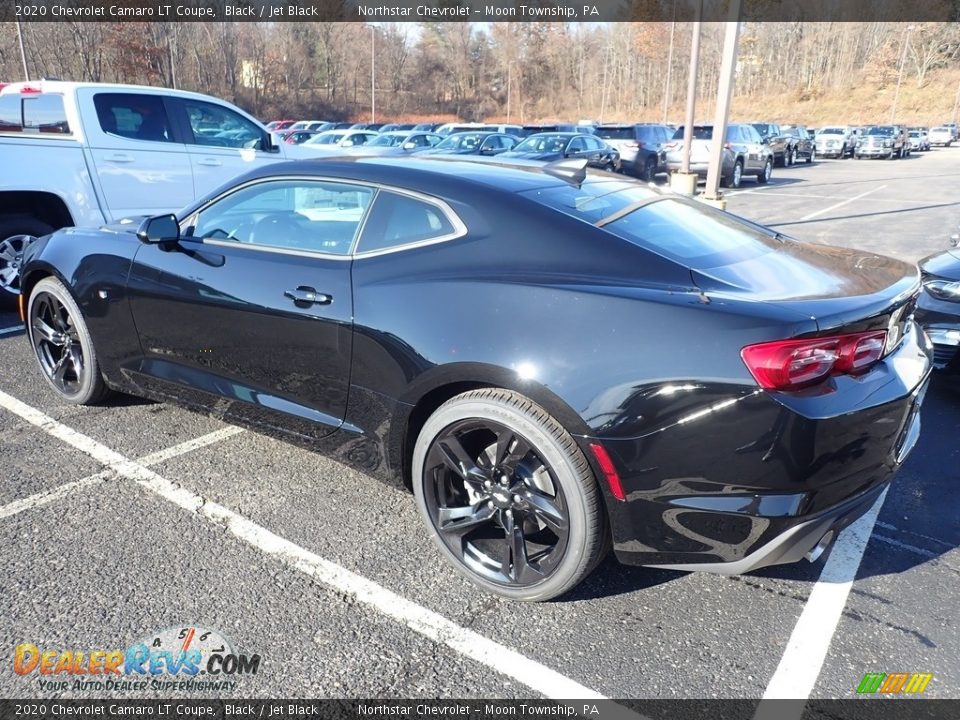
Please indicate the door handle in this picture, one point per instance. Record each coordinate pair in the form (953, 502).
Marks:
(305, 296)
(210, 162)
(118, 157)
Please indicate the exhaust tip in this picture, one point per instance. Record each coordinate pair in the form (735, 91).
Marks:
(814, 554)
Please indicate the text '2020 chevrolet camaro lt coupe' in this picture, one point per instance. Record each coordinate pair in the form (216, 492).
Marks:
(554, 361)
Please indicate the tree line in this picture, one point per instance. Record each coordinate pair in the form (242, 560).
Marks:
(516, 72)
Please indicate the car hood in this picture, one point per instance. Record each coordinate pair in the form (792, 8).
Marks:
(945, 265)
(832, 285)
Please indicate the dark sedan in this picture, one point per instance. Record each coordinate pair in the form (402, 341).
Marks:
(938, 310)
(472, 143)
(553, 360)
(547, 147)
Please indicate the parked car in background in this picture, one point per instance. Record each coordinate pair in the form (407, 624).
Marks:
(954, 130)
(90, 153)
(918, 138)
(392, 127)
(527, 130)
(298, 137)
(744, 153)
(275, 125)
(472, 143)
(307, 125)
(940, 135)
(552, 146)
(640, 372)
(334, 140)
(642, 147)
(455, 127)
(836, 141)
(428, 126)
(886, 141)
(374, 126)
(398, 142)
(780, 144)
(802, 147)
(938, 309)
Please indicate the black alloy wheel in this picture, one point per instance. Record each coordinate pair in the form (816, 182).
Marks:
(62, 344)
(508, 496)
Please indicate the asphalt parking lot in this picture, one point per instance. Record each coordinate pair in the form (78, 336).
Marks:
(121, 521)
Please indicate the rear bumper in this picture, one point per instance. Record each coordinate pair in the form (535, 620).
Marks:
(941, 321)
(759, 480)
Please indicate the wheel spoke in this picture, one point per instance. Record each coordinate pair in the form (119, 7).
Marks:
(457, 521)
(44, 331)
(515, 564)
(76, 360)
(545, 508)
(511, 449)
(60, 369)
(7, 253)
(458, 459)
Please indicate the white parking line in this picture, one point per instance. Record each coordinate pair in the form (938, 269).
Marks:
(62, 491)
(11, 330)
(799, 668)
(432, 625)
(841, 203)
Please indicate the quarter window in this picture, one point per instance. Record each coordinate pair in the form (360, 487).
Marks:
(307, 215)
(44, 113)
(397, 220)
(216, 126)
(134, 116)
(11, 119)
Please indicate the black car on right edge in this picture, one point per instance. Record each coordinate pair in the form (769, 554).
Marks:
(938, 309)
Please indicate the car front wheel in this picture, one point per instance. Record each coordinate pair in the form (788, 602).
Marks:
(16, 233)
(62, 344)
(764, 177)
(508, 496)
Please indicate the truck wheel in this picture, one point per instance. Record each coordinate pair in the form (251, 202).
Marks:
(15, 234)
(764, 177)
(734, 178)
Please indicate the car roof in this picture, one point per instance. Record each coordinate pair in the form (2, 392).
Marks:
(65, 87)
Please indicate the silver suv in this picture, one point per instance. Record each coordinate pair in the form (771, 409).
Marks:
(886, 141)
(836, 141)
(745, 153)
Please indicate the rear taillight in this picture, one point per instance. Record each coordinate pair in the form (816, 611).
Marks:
(795, 364)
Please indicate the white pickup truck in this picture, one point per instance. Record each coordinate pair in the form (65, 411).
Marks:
(90, 153)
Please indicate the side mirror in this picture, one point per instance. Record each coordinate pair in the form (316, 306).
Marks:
(162, 228)
(486, 151)
(764, 141)
(268, 143)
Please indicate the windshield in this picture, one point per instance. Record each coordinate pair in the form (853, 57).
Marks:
(388, 140)
(616, 133)
(461, 141)
(832, 131)
(880, 130)
(543, 143)
(327, 138)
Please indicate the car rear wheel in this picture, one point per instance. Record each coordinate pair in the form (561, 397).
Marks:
(793, 157)
(16, 233)
(650, 170)
(812, 156)
(62, 344)
(508, 496)
(734, 179)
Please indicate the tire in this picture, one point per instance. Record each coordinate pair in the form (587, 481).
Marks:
(764, 177)
(15, 234)
(62, 344)
(812, 156)
(650, 170)
(543, 477)
(793, 157)
(736, 177)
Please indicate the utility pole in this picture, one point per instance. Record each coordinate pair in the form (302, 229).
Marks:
(728, 70)
(666, 90)
(23, 52)
(373, 73)
(956, 105)
(684, 182)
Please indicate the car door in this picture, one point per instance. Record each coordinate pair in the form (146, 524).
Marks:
(221, 143)
(250, 311)
(576, 148)
(136, 155)
(756, 148)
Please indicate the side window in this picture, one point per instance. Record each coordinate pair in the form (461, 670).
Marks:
(509, 142)
(291, 214)
(431, 140)
(576, 145)
(11, 119)
(45, 114)
(217, 126)
(397, 220)
(133, 116)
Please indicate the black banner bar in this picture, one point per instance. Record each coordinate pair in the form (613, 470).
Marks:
(877, 708)
(474, 10)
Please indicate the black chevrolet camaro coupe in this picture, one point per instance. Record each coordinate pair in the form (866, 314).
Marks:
(553, 360)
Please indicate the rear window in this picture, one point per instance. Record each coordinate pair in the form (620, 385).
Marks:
(592, 201)
(694, 236)
(615, 133)
(43, 113)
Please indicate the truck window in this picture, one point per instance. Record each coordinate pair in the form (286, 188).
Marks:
(219, 127)
(134, 116)
(44, 113)
(10, 118)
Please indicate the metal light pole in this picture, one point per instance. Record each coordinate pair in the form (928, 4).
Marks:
(690, 116)
(728, 69)
(956, 105)
(903, 60)
(666, 90)
(373, 74)
(23, 52)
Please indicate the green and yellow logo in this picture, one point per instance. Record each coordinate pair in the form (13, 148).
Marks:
(892, 683)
